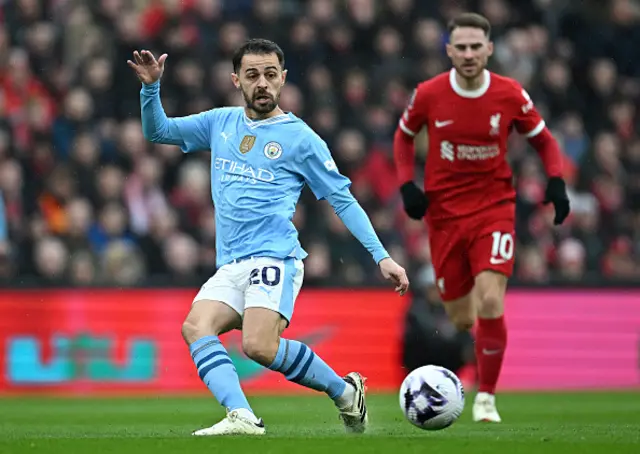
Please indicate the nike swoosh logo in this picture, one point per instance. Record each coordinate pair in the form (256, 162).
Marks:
(495, 261)
(441, 124)
(490, 352)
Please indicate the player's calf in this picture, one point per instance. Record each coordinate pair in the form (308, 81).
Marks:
(491, 342)
(206, 320)
(299, 364)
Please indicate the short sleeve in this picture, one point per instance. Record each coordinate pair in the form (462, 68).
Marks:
(527, 120)
(414, 116)
(319, 170)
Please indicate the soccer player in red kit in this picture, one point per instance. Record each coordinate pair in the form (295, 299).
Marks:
(469, 199)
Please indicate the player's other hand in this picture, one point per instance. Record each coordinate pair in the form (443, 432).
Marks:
(147, 68)
(414, 201)
(556, 193)
(396, 274)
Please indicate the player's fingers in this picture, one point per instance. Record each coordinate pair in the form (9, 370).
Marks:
(162, 59)
(137, 57)
(404, 283)
(132, 65)
(148, 57)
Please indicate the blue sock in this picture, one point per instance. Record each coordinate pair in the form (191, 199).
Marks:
(217, 371)
(300, 365)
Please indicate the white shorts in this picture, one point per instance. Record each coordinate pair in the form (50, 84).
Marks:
(256, 282)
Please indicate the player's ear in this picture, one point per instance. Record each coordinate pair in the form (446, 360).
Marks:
(284, 76)
(490, 48)
(235, 79)
(449, 48)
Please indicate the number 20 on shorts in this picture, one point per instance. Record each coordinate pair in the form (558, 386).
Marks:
(502, 248)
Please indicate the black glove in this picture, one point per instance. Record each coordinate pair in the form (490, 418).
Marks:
(556, 193)
(414, 200)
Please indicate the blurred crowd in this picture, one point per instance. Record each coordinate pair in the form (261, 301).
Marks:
(86, 201)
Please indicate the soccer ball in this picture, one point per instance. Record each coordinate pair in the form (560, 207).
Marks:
(432, 397)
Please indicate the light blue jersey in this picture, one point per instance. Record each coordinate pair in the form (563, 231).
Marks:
(258, 170)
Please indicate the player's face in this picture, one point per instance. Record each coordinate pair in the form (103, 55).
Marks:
(469, 51)
(260, 78)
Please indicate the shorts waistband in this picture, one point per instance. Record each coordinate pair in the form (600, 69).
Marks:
(243, 259)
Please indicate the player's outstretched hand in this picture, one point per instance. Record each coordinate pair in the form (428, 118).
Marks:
(147, 68)
(396, 274)
(414, 201)
(556, 193)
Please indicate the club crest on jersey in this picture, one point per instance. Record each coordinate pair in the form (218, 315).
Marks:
(273, 150)
(247, 144)
(494, 122)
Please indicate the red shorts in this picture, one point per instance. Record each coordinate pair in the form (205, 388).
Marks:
(462, 248)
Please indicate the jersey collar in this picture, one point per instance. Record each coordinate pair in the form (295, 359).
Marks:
(470, 93)
(276, 119)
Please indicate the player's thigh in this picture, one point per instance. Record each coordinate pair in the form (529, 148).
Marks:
(274, 284)
(492, 256)
(218, 305)
(462, 311)
(261, 330)
(209, 318)
(269, 302)
(492, 244)
(450, 263)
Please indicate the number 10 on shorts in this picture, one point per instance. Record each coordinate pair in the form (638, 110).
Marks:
(502, 248)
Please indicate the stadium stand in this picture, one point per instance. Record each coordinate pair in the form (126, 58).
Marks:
(86, 201)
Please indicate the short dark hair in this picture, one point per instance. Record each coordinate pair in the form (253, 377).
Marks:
(472, 20)
(257, 46)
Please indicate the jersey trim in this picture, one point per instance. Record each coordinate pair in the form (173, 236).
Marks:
(252, 124)
(404, 128)
(470, 93)
(537, 130)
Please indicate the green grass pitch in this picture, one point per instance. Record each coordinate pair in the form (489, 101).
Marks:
(602, 423)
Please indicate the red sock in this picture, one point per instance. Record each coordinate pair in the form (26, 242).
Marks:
(491, 342)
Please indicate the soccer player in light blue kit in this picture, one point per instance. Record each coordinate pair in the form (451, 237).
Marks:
(261, 157)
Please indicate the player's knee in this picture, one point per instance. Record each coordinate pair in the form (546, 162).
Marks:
(260, 349)
(193, 328)
(490, 288)
(463, 322)
(491, 305)
(190, 331)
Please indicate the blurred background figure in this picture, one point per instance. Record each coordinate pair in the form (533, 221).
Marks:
(429, 336)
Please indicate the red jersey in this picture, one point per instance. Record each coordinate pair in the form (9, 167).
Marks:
(466, 170)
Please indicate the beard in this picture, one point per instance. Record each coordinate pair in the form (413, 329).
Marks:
(471, 72)
(263, 107)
